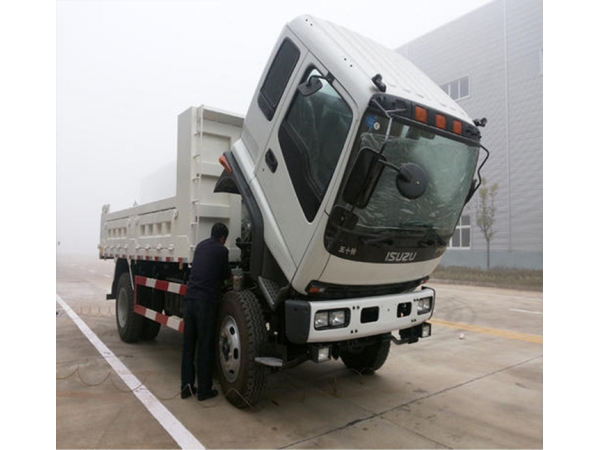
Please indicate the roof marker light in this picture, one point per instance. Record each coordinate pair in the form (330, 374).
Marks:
(440, 121)
(457, 127)
(420, 114)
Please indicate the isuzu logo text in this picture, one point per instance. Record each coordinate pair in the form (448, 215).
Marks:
(400, 256)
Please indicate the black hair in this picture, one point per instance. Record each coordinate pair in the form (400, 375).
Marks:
(219, 230)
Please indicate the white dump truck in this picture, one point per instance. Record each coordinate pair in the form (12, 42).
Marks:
(341, 188)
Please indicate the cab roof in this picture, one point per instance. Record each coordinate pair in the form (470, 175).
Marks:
(341, 49)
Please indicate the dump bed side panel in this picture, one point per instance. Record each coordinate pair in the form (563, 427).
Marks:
(168, 230)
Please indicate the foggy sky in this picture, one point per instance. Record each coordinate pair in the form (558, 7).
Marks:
(125, 70)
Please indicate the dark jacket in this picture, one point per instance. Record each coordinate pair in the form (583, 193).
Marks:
(210, 268)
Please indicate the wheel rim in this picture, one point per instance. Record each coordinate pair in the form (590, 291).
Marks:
(122, 308)
(230, 349)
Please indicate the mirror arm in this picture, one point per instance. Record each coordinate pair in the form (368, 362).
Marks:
(476, 183)
(390, 165)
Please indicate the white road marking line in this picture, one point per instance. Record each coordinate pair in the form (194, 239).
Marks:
(526, 311)
(168, 421)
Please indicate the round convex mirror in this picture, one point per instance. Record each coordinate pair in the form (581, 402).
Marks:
(411, 181)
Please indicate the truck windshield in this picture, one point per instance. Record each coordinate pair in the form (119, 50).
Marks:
(390, 223)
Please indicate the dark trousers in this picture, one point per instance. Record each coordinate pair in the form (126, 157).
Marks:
(199, 341)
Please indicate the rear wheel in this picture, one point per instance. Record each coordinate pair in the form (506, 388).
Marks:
(366, 360)
(129, 324)
(241, 331)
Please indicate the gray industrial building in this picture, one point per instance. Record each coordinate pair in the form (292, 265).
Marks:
(491, 62)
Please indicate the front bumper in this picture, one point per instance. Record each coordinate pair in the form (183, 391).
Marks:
(368, 316)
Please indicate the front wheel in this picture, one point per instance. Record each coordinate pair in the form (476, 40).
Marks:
(150, 329)
(241, 331)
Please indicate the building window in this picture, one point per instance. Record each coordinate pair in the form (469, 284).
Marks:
(457, 89)
(462, 234)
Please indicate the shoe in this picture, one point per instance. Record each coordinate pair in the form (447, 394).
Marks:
(210, 394)
(185, 392)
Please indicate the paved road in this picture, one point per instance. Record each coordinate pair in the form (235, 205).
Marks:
(476, 383)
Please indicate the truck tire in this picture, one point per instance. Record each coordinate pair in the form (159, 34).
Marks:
(129, 324)
(368, 359)
(241, 331)
(150, 329)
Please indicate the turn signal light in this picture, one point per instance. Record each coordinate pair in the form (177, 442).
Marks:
(316, 289)
(225, 164)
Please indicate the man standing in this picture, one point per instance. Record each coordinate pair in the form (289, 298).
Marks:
(210, 268)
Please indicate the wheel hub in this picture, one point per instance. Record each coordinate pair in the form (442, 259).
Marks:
(229, 349)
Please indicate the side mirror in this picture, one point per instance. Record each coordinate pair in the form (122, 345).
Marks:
(363, 177)
(309, 87)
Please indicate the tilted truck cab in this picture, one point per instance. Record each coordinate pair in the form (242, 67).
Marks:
(297, 152)
(344, 188)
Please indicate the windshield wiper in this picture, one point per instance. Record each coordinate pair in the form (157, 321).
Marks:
(391, 234)
(427, 236)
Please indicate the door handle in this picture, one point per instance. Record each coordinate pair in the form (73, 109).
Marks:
(271, 160)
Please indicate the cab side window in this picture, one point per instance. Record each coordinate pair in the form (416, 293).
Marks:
(277, 78)
(312, 137)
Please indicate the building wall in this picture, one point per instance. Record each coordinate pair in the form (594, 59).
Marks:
(499, 48)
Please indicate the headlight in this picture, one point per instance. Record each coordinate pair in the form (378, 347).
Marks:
(321, 319)
(424, 305)
(337, 318)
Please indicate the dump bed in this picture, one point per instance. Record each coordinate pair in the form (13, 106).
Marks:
(169, 229)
